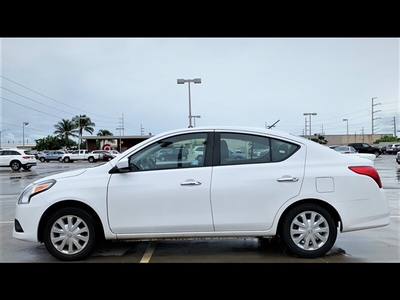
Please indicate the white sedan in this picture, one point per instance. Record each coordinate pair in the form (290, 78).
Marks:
(352, 151)
(292, 192)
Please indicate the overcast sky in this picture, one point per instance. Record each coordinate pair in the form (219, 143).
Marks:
(132, 82)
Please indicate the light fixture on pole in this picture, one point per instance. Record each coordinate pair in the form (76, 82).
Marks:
(1, 133)
(309, 116)
(182, 81)
(194, 120)
(347, 132)
(23, 133)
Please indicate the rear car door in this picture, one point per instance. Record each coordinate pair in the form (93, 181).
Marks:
(247, 193)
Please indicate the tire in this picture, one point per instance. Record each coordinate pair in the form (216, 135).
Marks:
(91, 159)
(70, 234)
(60, 159)
(305, 239)
(67, 159)
(42, 159)
(15, 165)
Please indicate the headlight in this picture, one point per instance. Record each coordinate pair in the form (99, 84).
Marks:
(34, 189)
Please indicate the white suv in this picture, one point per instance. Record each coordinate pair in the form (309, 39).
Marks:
(17, 158)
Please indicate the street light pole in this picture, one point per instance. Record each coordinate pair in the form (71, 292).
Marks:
(194, 120)
(1, 133)
(309, 116)
(347, 132)
(23, 134)
(182, 81)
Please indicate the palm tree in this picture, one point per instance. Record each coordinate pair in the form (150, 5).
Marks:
(65, 129)
(83, 123)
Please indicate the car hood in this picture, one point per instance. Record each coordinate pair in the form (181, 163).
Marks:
(63, 175)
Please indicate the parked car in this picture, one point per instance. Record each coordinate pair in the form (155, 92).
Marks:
(199, 152)
(398, 157)
(383, 150)
(285, 194)
(106, 154)
(16, 159)
(351, 151)
(366, 148)
(236, 155)
(55, 155)
(173, 154)
(81, 155)
(393, 148)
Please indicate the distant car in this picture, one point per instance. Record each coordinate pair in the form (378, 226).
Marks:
(383, 149)
(16, 159)
(52, 155)
(236, 155)
(285, 194)
(393, 148)
(199, 152)
(366, 148)
(350, 150)
(107, 155)
(174, 154)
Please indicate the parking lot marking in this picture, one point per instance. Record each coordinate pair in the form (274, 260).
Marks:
(149, 252)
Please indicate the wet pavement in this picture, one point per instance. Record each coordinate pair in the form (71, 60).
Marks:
(380, 245)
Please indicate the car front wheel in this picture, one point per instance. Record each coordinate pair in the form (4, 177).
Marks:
(69, 234)
(309, 231)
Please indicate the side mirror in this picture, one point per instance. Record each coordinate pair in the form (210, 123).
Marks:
(122, 166)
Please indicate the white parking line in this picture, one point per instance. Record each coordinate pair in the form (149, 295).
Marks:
(149, 252)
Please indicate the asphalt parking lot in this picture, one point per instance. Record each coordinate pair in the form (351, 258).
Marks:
(380, 245)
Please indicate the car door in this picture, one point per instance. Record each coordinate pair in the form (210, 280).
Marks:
(172, 198)
(247, 193)
(4, 158)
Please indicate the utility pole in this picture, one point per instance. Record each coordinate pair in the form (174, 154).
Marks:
(122, 125)
(372, 131)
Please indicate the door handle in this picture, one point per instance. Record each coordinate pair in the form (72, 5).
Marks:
(288, 179)
(190, 182)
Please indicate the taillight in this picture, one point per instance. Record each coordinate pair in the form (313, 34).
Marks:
(369, 171)
(26, 157)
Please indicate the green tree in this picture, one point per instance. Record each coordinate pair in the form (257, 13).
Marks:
(50, 143)
(83, 123)
(387, 138)
(65, 129)
(320, 139)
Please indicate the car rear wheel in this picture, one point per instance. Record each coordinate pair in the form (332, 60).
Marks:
(309, 231)
(42, 159)
(60, 159)
(15, 165)
(70, 234)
